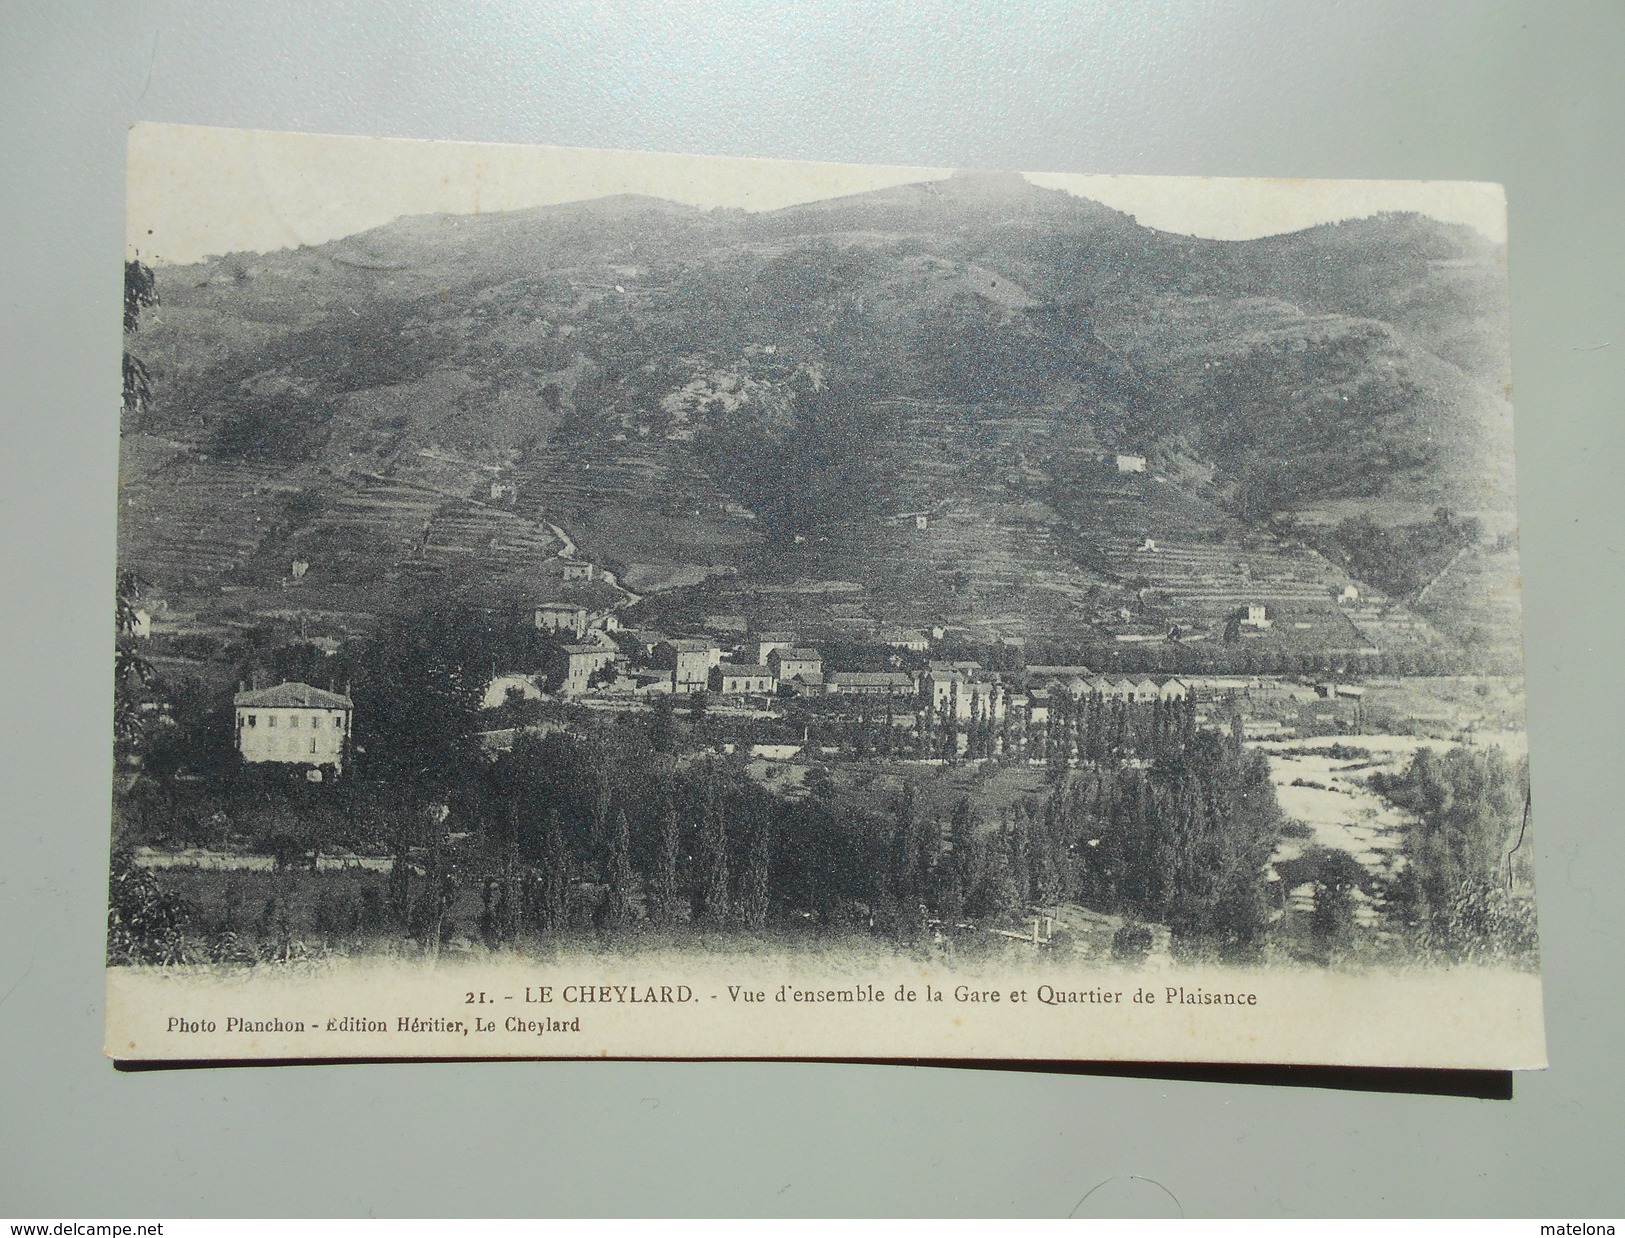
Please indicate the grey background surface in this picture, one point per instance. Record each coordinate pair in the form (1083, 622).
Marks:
(1527, 94)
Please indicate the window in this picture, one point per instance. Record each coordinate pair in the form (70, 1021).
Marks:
(270, 720)
(314, 722)
(293, 720)
(253, 719)
(338, 721)
(313, 746)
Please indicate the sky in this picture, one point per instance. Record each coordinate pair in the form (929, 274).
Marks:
(194, 191)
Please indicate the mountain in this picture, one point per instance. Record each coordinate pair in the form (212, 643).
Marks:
(685, 392)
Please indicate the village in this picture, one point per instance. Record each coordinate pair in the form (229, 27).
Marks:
(651, 653)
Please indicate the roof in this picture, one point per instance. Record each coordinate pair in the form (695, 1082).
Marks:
(293, 696)
(569, 606)
(579, 649)
(869, 677)
(754, 671)
(691, 646)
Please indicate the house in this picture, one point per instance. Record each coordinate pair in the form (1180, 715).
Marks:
(1347, 594)
(869, 683)
(293, 723)
(939, 683)
(1038, 705)
(807, 683)
(639, 643)
(1130, 464)
(759, 646)
(572, 569)
(731, 679)
(953, 692)
(1257, 617)
(796, 661)
(1146, 690)
(570, 668)
(689, 661)
(905, 638)
(502, 491)
(560, 617)
(597, 636)
(505, 684)
(1035, 673)
(1175, 690)
(299, 567)
(980, 699)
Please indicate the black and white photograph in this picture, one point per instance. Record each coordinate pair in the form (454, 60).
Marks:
(578, 603)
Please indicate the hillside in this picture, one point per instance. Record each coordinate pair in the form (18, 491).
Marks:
(683, 393)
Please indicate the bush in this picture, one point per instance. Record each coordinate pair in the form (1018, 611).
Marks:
(1131, 943)
(145, 923)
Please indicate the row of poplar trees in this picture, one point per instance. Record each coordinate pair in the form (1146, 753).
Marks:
(1182, 835)
(580, 832)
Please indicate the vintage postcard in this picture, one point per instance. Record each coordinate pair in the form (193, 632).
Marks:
(580, 603)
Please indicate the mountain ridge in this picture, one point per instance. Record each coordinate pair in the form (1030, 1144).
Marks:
(760, 352)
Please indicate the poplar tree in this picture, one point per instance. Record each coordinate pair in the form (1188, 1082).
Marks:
(663, 887)
(618, 872)
(711, 896)
(555, 909)
(754, 883)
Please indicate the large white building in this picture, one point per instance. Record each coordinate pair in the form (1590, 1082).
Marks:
(293, 723)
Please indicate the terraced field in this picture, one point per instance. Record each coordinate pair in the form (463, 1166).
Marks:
(634, 502)
(1200, 565)
(187, 521)
(1480, 596)
(991, 556)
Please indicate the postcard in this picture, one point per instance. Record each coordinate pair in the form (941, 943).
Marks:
(583, 603)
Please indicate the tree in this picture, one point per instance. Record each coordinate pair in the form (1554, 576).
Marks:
(663, 885)
(145, 923)
(663, 725)
(140, 292)
(1336, 876)
(132, 673)
(1468, 805)
(914, 849)
(416, 693)
(555, 901)
(437, 881)
(711, 896)
(698, 703)
(755, 881)
(618, 870)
